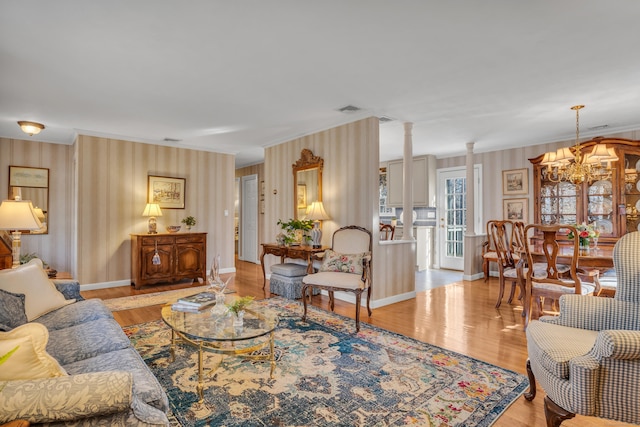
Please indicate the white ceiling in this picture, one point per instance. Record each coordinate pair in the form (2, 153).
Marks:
(237, 76)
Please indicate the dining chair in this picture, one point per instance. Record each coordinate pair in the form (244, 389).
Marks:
(489, 254)
(511, 254)
(556, 278)
(387, 231)
(587, 359)
(345, 267)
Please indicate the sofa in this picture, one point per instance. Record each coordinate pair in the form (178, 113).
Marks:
(65, 360)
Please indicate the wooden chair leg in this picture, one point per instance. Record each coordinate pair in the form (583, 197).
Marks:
(304, 302)
(512, 293)
(331, 301)
(532, 383)
(554, 414)
(485, 269)
(500, 292)
(358, 312)
(368, 299)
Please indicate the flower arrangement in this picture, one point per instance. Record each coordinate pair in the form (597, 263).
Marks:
(290, 228)
(240, 304)
(585, 232)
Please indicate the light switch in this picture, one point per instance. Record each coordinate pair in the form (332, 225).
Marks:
(226, 212)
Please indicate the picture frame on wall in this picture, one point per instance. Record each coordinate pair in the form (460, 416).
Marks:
(22, 176)
(166, 191)
(515, 209)
(515, 181)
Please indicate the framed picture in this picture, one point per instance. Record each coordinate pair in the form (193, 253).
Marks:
(302, 196)
(515, 181)
(21, 176)
(515, 209)
(168, 192)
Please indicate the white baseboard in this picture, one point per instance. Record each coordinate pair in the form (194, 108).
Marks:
(351, 298)
(473, 277)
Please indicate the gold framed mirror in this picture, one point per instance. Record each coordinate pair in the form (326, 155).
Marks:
(307, 182)
(29, 183)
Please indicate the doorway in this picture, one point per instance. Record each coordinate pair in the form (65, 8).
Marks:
(249, 219)
(452, 202)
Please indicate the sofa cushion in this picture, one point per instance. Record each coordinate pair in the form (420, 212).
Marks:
(75, 314)
(343, 263)
(86, 340)
(41, 296)
(12, 313)
(289, 269)
(145, 386)
(29, 358)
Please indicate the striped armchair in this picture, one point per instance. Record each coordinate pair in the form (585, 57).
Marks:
(587, 359)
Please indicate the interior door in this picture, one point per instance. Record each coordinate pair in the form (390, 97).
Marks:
(249, 218)
(452, 202)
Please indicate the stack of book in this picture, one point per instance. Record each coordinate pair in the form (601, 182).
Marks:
(194, 303)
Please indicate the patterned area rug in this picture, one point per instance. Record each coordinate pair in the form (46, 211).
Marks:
(156, 298)
(327, 375)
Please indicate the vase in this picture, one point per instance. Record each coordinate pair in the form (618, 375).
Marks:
(584, 243)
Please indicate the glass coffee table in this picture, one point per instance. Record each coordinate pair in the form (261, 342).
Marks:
(216, 333)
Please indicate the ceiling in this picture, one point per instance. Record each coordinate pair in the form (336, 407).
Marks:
(238, 76)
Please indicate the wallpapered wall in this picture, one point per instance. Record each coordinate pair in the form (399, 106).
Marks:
(103, 184)
(349, 194)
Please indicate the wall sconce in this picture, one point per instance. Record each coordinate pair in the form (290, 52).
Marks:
(152, 210)
(30, 128)
(316, 213)
(18, 215)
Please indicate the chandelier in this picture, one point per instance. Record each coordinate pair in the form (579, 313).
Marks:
(570, 164)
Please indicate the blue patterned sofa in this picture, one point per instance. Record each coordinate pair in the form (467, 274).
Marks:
(106, 381)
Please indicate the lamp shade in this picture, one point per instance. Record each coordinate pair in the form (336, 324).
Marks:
(152, 209)
(316, 212)
(18, 215)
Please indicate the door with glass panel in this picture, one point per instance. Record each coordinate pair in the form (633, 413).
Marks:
(452, 201)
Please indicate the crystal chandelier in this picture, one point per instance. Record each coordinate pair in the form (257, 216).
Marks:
(570, 164)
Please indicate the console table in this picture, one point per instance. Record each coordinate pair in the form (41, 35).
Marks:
(182, 256)
(296, 252)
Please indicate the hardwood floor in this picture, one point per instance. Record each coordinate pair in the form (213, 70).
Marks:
(459, 317)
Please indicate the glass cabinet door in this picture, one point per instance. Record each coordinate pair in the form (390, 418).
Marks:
(632, 191)
(600, 206)
(558, 204)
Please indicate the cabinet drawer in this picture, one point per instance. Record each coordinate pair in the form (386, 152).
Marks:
(163, 240)
(189, 239)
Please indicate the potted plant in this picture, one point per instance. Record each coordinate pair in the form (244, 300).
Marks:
(189, 222)
(237, 309)
(295, 230)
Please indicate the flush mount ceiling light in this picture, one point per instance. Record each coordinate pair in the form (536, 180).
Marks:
(30, 128)
(349, 109)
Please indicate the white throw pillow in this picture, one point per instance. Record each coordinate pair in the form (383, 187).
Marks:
(41, 295)
(30, 360)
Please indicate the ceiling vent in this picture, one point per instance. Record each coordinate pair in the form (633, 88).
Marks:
(385, 119)
(598, 127)
(171, 140)
(349, 109)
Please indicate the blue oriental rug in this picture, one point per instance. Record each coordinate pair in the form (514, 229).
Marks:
(327, 375)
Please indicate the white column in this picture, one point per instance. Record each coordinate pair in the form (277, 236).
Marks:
(470, 191)
(407, 184)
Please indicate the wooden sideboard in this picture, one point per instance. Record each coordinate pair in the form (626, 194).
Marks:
(182, 256)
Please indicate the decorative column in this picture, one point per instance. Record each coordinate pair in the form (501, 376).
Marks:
(472, 241)
(407, 184)
(470, 220)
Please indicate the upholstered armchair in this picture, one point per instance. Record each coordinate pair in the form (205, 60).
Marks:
(345, 267)
(587, 359)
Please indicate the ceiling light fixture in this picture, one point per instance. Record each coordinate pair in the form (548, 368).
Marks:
(30, 128)
(570, 164)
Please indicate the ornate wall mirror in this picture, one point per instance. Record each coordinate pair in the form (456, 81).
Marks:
(307, 182)
(31, 184)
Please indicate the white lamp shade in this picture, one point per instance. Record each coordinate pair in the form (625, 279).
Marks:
(316, 212)
(549, 158)
(18, 215)
(564, 156)
(152, 209)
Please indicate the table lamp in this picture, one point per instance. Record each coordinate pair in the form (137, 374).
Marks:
(316, 213)
(17, 215)
(152, 210)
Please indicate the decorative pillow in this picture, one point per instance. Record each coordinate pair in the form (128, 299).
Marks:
(30, 360)
(12, 313)
(41, 296)
(343, 263)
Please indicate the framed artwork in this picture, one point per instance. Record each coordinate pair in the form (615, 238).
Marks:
(515, 181)
(515, 209)
(168, 192)
(20, 176)
(302, 196)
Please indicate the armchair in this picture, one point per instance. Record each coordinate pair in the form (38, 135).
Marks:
(346, 267)
(587, 359)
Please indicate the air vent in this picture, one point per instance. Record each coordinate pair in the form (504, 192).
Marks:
(171, 140)
(385, 119)
(598, 127)
(349, 109)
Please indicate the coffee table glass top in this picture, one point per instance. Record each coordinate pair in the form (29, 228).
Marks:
(205, 326)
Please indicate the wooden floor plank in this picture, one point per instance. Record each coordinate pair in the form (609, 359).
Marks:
(459, 317)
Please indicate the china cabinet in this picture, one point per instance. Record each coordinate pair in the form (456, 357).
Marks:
(611, 203)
